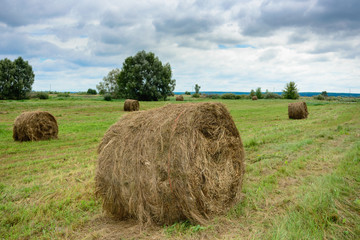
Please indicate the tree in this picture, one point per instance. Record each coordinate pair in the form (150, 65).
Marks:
(258, 93)
(16, 78)
(144, 77)
(290, 91)
(91, 91)
(197, 89)
(252, 93)
(109, 84)
(324, 93)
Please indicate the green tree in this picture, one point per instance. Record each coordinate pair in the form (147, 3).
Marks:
(144, 77)
(324, 93)
(91, 91)
(291, 91)
(16, 78)
(197, 88)
(109, 84)
(258, 93)
(252, 93)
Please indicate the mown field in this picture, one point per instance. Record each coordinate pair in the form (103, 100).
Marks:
(302, 177)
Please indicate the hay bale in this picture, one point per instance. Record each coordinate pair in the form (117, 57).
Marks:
(297, 110)
(179, 98)
(181, 161)
(35, 126)
(254, 98)
(131, 105)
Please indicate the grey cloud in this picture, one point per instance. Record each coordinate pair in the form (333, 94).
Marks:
(185, 25)
(298, 38)
(17, 43)
(25, 12)
(324, 17)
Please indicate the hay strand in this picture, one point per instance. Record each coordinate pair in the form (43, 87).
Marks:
(131, 105)
(181, 161)
(35, 126)
(297, 110)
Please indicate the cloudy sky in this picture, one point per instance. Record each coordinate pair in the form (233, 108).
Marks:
(230, 45)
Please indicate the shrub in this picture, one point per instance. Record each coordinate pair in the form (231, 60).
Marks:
(213, 96)
(271, 95)
(91, 91)
(65, 94)
(244, 96)
(107, 97)
(187, 93)
(319, 97)
(196, 95)
(42, 95)
(30, 95)
(228, 96)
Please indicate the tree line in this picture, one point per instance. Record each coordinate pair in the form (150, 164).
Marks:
(142, 77)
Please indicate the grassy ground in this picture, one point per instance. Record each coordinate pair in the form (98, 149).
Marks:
(302, 176)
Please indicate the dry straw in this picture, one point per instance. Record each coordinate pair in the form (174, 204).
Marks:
(179, 98)
(35, 126)
(181, 161)
(254, 98)
(297, 110)
(131, 105)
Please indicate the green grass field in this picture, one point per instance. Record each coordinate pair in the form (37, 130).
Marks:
(302, 177)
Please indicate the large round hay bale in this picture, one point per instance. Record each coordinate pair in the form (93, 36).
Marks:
(181, 161)
(35, 126)
(131, 105)
(254, 98)
(298, 110)
(179, 98)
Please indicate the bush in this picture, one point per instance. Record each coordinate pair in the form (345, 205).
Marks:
(65, 94)
(107, 97)
(228, 96)
(196, 95)
(42, 95)
(31, 95)
(187, 93)
(243, 96)
(237, 96)
(213, 96)
(271, 95)
(91, 91)
(319, 97)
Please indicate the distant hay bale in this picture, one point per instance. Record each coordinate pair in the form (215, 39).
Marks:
(179, 98)
(298, 110)
(254, 98)
(35, 126)
(131, 105)
(181, 161)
